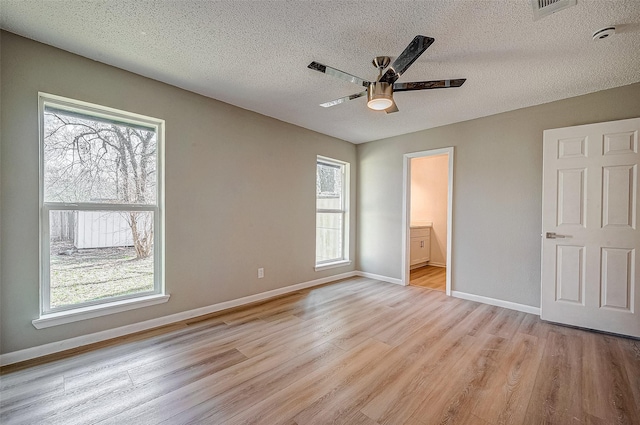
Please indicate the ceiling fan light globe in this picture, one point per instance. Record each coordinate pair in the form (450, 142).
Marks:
(380, 96)
(379, 104)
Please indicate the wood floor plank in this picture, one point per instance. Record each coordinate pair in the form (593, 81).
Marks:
(358, 351)
(297, 303)
(71, 364)
(128, 397)
(412, 296)
(102, 348)
(397, 328)
(395, 400)
(445, 317)
(356, 392)
(361, 331)
(505, 397)
(285, 404)
(131, 398)
(213, 339)
(452, 400)
(45, 411)
(481, 318)
(310, 333)
(279, 305)
(30, 391)
(429, 277)
(321, 310)
(630, 350)
(226, 405)
(532, 325)
(202, 363)
(356, 418)
(183, 397)
(506, 323)
(606, 389)
(556, 397)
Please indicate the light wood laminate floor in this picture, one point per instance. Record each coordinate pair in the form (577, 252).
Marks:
(353, 352)
(429, 277)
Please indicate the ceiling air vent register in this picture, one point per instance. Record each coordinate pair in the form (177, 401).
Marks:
(542, 8)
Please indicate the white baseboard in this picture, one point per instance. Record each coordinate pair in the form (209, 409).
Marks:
(431, 263)
(499, 303)
(79, 341)
(380, 277)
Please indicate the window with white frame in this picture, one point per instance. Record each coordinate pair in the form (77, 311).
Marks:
(101, 205)
(332, 220)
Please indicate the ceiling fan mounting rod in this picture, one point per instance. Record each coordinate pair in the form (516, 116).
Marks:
(381, 62)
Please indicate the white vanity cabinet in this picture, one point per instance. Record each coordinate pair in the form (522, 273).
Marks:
(420, 246)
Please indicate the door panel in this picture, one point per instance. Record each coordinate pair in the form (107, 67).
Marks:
(620, 143)
(618, 190)
(571, 199)
(590, 270)
(617, 283)
(572, 148)
(570, 273)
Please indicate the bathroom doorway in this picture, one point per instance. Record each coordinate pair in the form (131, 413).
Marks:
(427, 220)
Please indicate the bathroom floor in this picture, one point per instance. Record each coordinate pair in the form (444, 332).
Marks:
(429, 277)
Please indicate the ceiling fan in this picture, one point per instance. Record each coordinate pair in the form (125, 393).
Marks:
(380, 92)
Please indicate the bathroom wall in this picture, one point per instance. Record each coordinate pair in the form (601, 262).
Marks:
(429, 187)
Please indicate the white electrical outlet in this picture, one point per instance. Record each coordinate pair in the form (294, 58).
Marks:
(260, 273)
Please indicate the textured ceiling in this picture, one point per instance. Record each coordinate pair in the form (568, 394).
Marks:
(254, 54)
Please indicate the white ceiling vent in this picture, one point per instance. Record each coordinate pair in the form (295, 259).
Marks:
(542, 8)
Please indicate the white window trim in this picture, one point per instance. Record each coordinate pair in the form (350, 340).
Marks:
(332, 265)
(52, 317)
(89, 312)
(346, 181)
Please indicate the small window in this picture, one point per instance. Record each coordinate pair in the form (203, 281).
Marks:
(101, 216)
(332, 220)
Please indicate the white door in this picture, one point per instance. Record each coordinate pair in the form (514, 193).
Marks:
(590, 267)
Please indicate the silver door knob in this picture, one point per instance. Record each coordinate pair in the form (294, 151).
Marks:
(553, 235)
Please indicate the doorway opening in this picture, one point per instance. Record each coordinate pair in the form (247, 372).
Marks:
(427, 219)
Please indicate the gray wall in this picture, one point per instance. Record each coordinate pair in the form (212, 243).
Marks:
(240, 190)
(497, 193)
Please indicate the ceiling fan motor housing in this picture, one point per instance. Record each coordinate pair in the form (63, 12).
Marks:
(379, 95)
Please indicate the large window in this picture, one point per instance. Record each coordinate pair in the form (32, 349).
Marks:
(101, 199)
(332, 219)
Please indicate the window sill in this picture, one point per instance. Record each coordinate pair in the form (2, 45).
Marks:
(84, 313)
(333, 265)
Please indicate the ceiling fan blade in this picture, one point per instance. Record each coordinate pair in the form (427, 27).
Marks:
(337, 73)
(413, 51)
(426, 85)
(391, 109)
(343, 99)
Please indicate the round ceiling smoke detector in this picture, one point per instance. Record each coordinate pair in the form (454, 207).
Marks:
(604, 33)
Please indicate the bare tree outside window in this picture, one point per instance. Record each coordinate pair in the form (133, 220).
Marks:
(89, 160)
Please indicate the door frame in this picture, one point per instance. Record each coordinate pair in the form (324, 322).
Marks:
(406, 211)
